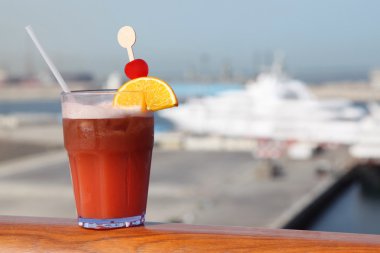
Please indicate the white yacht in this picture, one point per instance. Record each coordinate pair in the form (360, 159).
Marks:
(273, 107)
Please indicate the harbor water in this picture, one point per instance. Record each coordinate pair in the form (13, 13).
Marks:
(53, 107)
(355, 210)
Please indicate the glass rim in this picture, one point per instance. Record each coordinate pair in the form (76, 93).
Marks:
(98, 92)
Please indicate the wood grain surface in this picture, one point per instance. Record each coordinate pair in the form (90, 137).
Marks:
(23, 234)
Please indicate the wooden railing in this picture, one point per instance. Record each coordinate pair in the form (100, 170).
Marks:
(22, 234)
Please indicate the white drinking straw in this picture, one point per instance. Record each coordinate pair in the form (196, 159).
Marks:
(51, 65)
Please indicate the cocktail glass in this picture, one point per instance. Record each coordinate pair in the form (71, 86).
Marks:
(110, 152)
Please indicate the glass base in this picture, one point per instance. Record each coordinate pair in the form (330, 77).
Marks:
(111, 223)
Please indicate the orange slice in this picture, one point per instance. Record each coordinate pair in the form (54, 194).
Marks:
(128, 99)
(158, 94)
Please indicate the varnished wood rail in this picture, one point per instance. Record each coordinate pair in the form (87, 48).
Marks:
(23, 234)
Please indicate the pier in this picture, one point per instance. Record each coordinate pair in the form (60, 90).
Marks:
(196, 185)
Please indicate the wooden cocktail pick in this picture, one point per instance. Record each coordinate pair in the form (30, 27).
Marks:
(126, 38)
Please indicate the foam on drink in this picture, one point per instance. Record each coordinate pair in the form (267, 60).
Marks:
(72, 110)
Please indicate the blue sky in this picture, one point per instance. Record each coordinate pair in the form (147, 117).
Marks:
(172, 36)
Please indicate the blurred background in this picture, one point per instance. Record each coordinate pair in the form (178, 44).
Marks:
(278, 123)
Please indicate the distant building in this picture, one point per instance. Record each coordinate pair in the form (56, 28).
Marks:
(374, 78)
(113, 80)
(3, 76)
(78, 77)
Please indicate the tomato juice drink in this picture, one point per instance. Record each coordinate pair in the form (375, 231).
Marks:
(108, 135)
(110, 151)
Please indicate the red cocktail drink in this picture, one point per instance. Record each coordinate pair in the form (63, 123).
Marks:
(110, 154)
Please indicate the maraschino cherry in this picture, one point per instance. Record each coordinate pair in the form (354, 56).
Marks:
(136, 68)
